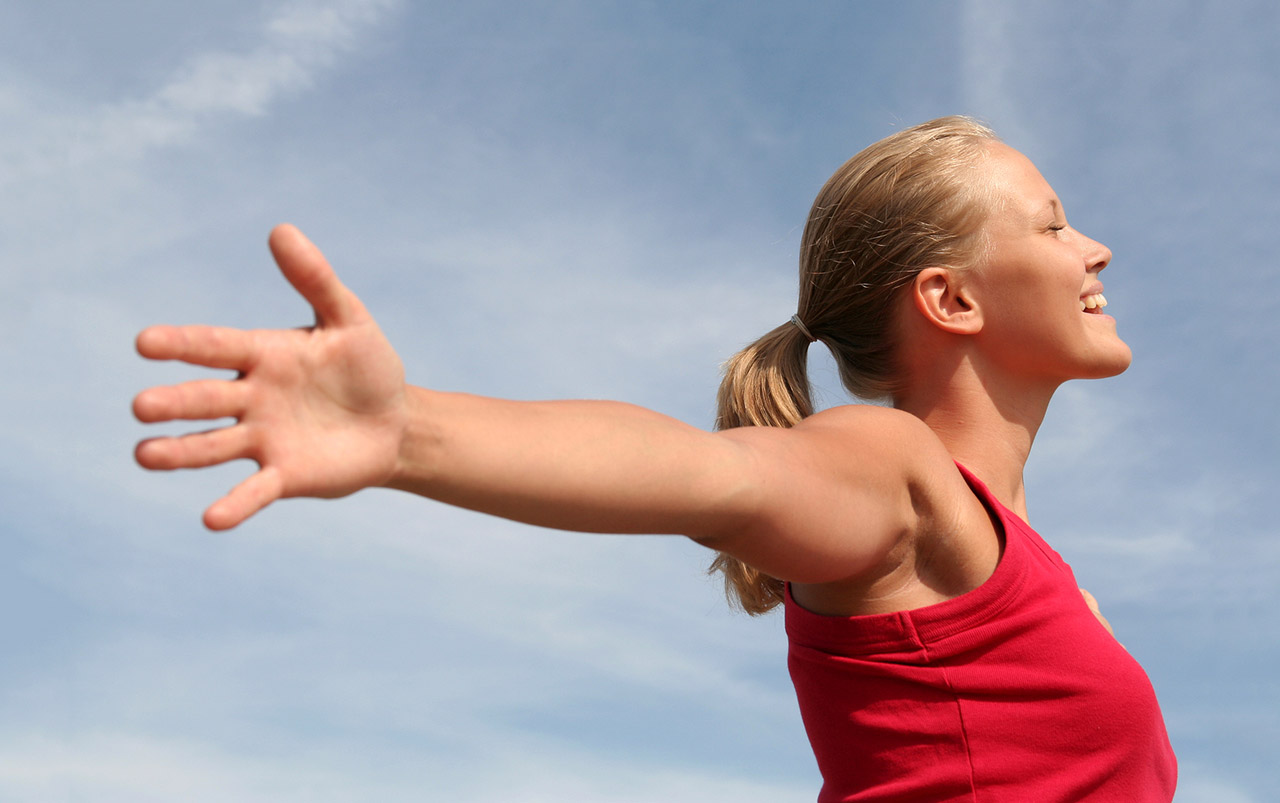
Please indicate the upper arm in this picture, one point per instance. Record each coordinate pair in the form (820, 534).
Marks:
(833, 497)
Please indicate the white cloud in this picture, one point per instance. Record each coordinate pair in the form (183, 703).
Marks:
(1196, 785)
(111, 767)
(223, 82)
(295, 46)
(989, 67)
(328, 24)
(303, 39)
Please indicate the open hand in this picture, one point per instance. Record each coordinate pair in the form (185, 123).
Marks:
(322, 410)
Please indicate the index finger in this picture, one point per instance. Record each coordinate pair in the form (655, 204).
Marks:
(210, 346)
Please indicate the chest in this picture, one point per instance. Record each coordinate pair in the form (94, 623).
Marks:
(1016, 688)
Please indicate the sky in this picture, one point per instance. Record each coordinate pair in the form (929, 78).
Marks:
(585, 200)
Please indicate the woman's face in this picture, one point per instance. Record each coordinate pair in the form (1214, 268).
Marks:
(1037, 286)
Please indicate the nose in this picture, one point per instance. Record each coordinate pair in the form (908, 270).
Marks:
(1096, 255)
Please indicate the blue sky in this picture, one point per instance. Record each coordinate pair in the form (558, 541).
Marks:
(600, 200)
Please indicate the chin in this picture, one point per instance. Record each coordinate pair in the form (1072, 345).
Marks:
(1114, 363)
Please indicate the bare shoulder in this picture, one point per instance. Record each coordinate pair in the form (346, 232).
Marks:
(869, 420)
(944, 543)
(865, 448)
(842, 495)
(905, 450)
(864, 415)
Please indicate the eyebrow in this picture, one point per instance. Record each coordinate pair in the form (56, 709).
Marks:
(1054, 207)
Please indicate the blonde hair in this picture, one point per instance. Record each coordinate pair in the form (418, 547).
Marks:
(908, 202)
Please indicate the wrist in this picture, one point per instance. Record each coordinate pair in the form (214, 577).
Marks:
(415, 445)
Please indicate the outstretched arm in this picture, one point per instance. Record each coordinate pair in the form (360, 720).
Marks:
(324, 411)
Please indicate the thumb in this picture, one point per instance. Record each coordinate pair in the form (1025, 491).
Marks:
(311, 275)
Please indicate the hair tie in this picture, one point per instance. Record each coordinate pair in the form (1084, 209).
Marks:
(804, 330)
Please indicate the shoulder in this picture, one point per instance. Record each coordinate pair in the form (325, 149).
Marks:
(948, 544)
(877, 457)
(859, 415)
(871, 424)
(902, 445)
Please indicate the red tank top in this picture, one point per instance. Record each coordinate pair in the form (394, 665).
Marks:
(1012, 692)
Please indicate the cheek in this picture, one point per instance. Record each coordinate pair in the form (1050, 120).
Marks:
(1023, 296)
(1054, 293)
(1027, 286)
(1032, 314)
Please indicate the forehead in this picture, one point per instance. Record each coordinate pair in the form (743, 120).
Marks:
(1015, 184)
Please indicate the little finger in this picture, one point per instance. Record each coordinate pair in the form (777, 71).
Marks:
(197, 450)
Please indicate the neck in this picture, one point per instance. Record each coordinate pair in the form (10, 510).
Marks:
(986, 425)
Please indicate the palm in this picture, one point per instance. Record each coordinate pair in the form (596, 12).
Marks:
(326, 404)
(321, 410)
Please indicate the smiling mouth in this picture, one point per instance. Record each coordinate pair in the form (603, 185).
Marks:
(1093, 304)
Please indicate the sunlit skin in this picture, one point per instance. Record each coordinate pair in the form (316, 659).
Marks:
(325, 411)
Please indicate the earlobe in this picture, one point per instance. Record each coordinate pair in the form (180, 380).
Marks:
(941, 297)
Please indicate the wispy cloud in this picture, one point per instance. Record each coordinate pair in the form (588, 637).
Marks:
(115, 767)
(294, 46)
(988, 65)
(1201, 785)
(298, 42)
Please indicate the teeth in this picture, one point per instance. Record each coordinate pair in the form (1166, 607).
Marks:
(1095, 301)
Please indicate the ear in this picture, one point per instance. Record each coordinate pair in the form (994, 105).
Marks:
(942, 298)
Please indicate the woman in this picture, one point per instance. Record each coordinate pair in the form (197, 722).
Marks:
(940, 649)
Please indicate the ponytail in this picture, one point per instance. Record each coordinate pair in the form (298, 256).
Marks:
(765, 385)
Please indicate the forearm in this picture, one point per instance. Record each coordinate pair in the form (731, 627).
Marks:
(575, 465)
